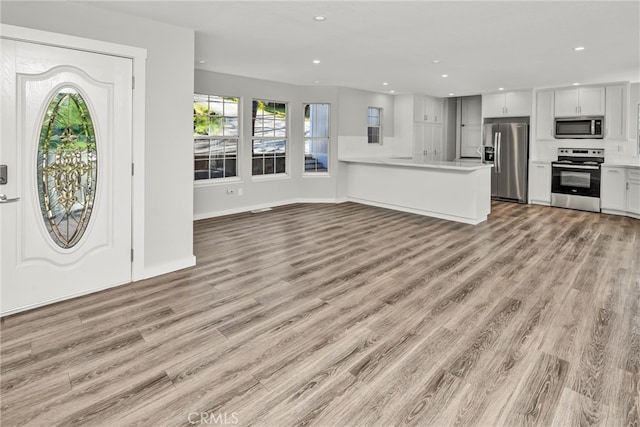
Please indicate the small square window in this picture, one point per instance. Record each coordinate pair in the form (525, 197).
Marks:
(374, 120)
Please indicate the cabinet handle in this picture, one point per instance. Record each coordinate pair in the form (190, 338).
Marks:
(614, 170)
(627, 185)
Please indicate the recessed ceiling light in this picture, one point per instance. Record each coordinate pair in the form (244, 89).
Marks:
(435, 61)
(385, 84)
(392, 91)
(500, 88)
(451, 94)
(316, 61)
(576, 84)
(317, 81)
(202, 62)
(445, 75)
(319, 18)
(578, 48)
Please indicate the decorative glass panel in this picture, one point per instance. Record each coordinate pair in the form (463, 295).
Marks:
(67, 167)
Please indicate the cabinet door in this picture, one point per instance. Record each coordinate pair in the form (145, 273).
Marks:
(470, 126)
(517, 104)
(418, 108)
(418, 141)
(540, 184)
(613, 191)
(633, 191)
(615, 122)
(493, 105)
(544, 115)
(433, 110)
(591, 101)
(437, 143)
(566, 102)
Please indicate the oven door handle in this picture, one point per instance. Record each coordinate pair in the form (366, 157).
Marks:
(566, 166)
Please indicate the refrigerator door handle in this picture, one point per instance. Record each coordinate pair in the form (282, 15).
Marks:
(498, 158)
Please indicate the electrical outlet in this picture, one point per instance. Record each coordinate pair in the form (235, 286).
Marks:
(231, 191)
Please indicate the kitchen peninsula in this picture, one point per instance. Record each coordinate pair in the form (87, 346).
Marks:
(456, 191)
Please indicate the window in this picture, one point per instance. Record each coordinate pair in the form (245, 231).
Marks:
(374, 135)
(316, 138)
(269, 143)
(216, 132)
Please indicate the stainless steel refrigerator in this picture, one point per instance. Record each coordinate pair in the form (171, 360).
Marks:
(506, 145)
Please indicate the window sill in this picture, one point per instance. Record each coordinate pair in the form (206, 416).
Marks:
(217, 181)
(270, 177)
(316, 175)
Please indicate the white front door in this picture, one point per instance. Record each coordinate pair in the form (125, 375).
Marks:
(65, 207)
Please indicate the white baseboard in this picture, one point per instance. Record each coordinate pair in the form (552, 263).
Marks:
(169, 267)
(539, 202)
(471, 221)
(620, 213)
(243, 209)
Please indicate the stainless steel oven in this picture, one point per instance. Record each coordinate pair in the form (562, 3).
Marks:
(575, 179)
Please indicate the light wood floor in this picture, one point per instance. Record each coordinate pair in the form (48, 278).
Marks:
(335, 315)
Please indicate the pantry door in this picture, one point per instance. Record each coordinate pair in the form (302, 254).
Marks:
(65, 191)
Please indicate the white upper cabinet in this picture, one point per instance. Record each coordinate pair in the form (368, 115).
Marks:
(506, 104)
(428, 144)
(544, 115)
(583, 101)
(615, 121)
(428, 109)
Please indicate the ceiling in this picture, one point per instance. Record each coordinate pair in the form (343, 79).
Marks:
(481, 45)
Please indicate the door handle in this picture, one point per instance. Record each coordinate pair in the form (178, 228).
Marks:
(498, 159)
(3, 199)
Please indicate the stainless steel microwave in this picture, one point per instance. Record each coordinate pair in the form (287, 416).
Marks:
(579, 127)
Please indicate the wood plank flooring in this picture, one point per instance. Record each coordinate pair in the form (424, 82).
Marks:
(349, 315)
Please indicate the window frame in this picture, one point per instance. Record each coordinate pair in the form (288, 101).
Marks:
(316, 173)
(379, 126)
(238, 139)
(253, 138)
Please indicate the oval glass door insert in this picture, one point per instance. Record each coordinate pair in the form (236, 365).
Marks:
(67, 167)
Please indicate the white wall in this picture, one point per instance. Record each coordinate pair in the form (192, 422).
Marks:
(169, 88)
(211, 198)
(353, 124)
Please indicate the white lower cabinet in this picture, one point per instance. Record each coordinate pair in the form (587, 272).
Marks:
(539, 182)
(620, 190)
(612, 188)
(633, 191)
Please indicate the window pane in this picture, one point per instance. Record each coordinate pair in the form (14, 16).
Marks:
(316, 137)
(270, 129)
(215, 116)
(269, 146)
(374, 116)
(316, 120)
(374, 135)
(316, 154)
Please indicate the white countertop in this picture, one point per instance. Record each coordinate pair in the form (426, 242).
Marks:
(465, 166)
(622, 165)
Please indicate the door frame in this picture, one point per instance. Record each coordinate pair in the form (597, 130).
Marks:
(138, 57)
